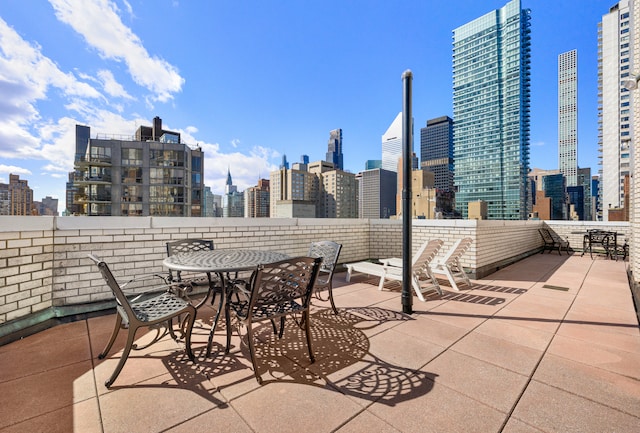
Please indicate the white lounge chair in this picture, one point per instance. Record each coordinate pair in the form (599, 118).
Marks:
(422, 279)
(450, 266)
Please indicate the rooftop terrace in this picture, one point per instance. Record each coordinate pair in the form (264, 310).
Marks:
(550, 343)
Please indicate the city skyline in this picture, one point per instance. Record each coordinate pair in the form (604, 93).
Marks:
(251, 83)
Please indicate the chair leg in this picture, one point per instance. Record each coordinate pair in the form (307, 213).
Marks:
(187, 339)
(333, 305)
(112, 339)
(227, 321)
(307, 329)
(252, 353)
(451, 279)
(282, 327)
(416, 288)
(215, 321)
(125, 354)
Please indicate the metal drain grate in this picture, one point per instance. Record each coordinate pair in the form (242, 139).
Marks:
(548, 286)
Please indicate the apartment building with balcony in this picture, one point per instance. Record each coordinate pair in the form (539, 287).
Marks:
(150, 174)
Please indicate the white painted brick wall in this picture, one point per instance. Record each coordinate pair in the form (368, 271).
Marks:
(44, 263)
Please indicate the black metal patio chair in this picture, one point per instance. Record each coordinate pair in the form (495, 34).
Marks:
(277, 290)
(154, 306)
(553, 242)
(329, 251)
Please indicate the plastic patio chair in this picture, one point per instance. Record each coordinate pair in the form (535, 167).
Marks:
(277, 290)
(450, 264)
(329, 251)
(144, 311)
(422, 279)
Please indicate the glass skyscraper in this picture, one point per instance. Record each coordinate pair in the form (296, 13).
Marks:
(436, 151)
(491, 104)
(334, 149)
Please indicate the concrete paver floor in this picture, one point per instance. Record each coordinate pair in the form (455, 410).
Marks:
(548, 344)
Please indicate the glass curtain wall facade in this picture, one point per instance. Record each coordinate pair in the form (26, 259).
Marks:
(334, 149)
(568, 116)
(491, 105)
(436, 151)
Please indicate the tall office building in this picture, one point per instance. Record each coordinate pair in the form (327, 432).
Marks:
(334, 149)
(615, 112)
(392, 145)
(153, 175)
(436, 151)
(377, 193)
(491, 104)
(568, 116)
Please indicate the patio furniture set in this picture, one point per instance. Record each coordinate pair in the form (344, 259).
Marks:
(592, 241)
(251, 285)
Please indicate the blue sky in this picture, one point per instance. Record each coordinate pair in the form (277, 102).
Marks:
(251, 80)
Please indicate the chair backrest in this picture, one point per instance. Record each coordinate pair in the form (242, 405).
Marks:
(123, 307)
(329, 251)
(187, 246)
(277, 284)
(546, 235)
(424, 256)
(457, 250)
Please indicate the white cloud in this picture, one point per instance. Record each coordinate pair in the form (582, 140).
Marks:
(12, 169)
(25, 78)
(111, 86)
(100, 25)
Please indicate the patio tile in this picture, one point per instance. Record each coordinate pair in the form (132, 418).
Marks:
(610, 319)
(439, 333)
(607, 358)
(484, 382)
(41, 393)
(510, 356)
(158, 404)
(440, 410)
(63, 332)
(275, 406)
(625, 338)
(516, 426)
(82, 417)
(218, 419)
(402, 350)
(366, 422)
(552, 409)
(50, 354)
(513, 332)
(609, 389)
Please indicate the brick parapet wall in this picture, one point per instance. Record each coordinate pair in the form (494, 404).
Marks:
(44, 264)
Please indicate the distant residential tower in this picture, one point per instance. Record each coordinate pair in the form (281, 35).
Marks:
(491, 109)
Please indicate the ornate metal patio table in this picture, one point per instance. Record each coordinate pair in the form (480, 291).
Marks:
(222, 262)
